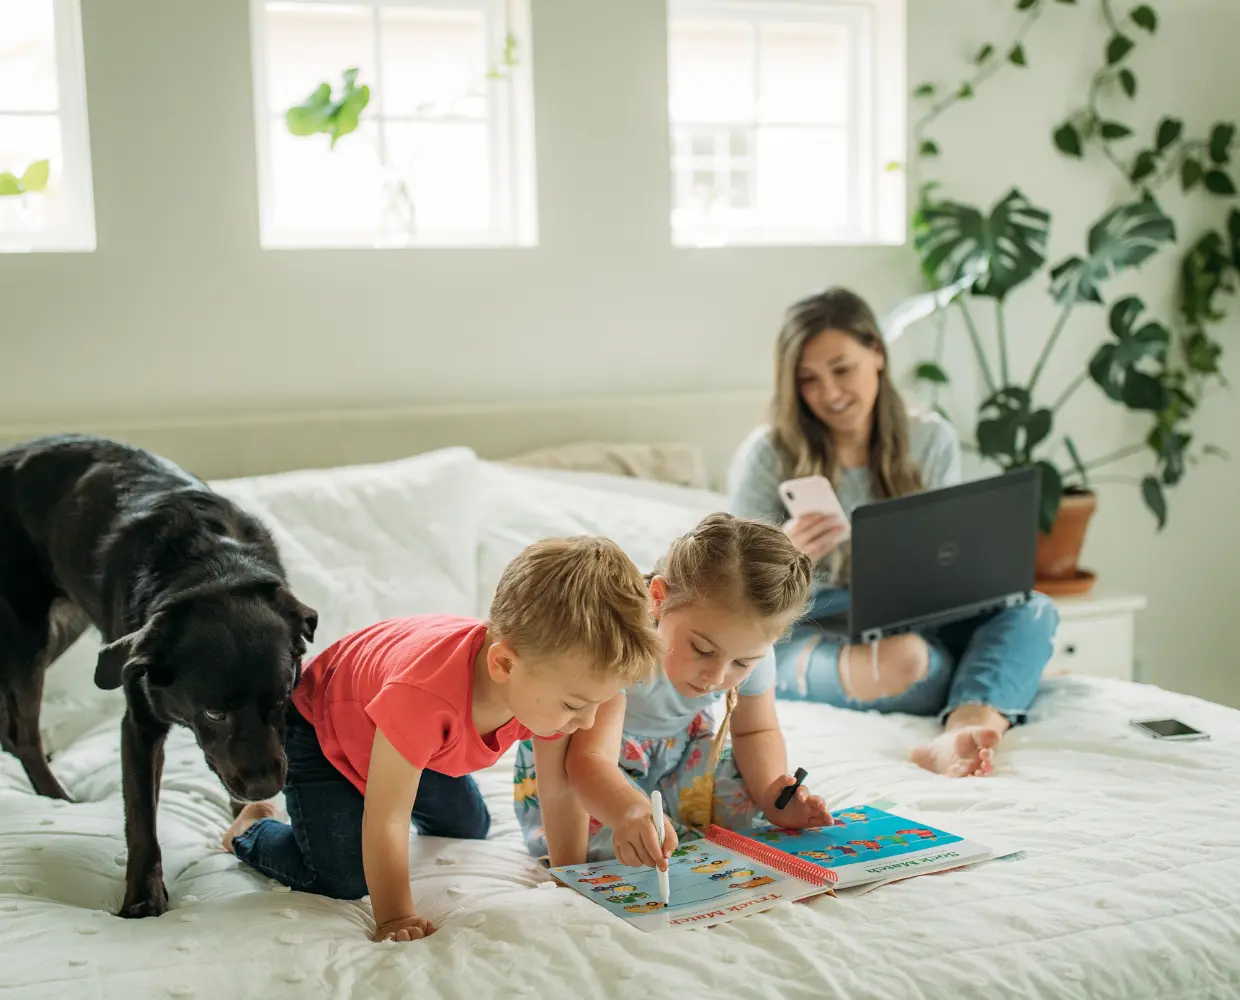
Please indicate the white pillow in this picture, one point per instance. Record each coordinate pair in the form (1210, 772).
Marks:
(517, 507)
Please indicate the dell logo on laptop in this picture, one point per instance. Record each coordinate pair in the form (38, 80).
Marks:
(948, 553)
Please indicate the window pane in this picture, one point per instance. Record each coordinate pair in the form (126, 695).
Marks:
(27, 56)
(448, 166)
(309, 44)
(802, 178)
(710, 70)
(434, 62)
(803, 74)
(25, 139)
(316, 188)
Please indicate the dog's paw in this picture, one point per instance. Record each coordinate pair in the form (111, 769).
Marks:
(153, 903)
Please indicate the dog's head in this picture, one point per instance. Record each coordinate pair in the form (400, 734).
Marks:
(223, 660)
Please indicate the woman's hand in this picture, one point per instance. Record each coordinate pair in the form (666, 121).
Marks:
(803, 812)
(636, 843)
(817, 535)
(410, 928)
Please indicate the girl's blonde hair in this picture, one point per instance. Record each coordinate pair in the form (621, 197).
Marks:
(743, 565)
(802, 441)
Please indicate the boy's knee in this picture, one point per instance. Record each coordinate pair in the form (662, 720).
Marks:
(341, 884)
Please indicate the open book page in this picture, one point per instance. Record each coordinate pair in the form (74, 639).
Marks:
(709, 883)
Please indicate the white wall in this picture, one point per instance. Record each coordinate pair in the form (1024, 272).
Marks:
(179, 312)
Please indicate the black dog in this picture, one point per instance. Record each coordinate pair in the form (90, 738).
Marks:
(190, 596)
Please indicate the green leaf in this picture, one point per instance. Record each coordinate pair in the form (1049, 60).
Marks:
(1171, 448)
(1077, 464)
(1218, 182)
(1017, 56)
(955, 240)
(1128, 81)
(984, 53)
(311, 115)
(319, 113)
(1143, 392)
(9, 184)
(1221, 137)
(925, 90)
(1001, 418)
(1190, 174)
(1123, 314)
(1144, 166)
(1152, 494)
(36, 175)
(929, 147)
(1144, 17)
(965, 91)
(1124, 238)
(1117, 366)
(1233, 231)
(1215, 451)
(1050, 495)
(1037, 429)
(1068, 140)
(930, 371)
(1201, 354)
(1117, 48)
(1025, 4)
(1169, 130)
(1115, 130)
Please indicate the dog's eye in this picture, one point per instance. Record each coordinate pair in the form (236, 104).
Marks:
(214, 716)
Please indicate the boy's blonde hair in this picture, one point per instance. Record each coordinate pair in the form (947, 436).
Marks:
(744, 566)
(578, 595)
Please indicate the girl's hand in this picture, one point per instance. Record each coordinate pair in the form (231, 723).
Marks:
(637, 845)
(409, 928)
(804, 811)
(817, 535)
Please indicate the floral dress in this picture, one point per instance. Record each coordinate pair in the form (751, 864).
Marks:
(666, 745)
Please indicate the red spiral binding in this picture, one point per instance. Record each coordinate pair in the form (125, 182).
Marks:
(772, 857)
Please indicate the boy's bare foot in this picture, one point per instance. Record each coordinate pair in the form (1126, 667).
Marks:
(966, 747)
(250, 814)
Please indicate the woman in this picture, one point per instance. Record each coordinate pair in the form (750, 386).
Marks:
(836, 413)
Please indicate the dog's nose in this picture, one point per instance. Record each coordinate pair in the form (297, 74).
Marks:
(251, 786)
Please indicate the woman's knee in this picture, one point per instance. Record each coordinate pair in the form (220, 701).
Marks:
(1039, 615)
(898, 663)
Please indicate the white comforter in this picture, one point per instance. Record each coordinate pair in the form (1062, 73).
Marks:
(1128, 886)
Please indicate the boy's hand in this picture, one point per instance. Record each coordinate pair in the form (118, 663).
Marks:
(409, 928)
(804, 811)
(637, 845)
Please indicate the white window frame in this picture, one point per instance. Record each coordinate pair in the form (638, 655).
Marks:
(510, 114)
(877, 121)
(77, 235)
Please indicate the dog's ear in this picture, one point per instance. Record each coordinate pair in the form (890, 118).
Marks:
(129, 655)
(306, 618)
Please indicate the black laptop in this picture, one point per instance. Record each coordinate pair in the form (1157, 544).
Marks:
(940, 556)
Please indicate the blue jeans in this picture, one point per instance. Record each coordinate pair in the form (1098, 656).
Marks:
(321, 851)
(995, 659)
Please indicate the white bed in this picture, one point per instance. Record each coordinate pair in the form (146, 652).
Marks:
(1128, 887)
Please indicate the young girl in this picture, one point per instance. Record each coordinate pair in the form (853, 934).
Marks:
(836, 413)
(721, 597)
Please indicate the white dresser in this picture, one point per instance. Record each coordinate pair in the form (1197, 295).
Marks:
(1096, 635)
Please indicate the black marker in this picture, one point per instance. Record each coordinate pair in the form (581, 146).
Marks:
(786, 795)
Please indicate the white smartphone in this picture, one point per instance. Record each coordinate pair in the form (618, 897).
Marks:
(811, 495)
(1169, 729)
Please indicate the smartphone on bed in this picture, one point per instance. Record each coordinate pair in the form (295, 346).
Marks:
(1169, 729)
(811, 495)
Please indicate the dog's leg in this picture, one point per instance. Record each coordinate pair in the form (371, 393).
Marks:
(21, 688)
(142, 763)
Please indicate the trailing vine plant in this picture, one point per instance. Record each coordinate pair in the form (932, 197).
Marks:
(970, 255)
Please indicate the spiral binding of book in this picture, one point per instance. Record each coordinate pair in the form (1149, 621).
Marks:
(781, 861)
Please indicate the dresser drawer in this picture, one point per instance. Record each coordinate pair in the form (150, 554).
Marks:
(1102, 646)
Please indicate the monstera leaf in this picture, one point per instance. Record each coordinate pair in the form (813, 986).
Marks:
(956, 240)
(1129, 369)
(1125, 237)
(1009, 429)
(321, 113)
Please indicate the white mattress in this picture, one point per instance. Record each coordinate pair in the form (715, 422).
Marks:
(1129, 884)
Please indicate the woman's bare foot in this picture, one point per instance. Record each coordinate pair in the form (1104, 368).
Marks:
(966, 746)
(250, 814)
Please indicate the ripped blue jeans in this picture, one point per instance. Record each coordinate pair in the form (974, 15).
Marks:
(995, 659)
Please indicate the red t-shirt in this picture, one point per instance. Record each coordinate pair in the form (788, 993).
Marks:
(414, 679)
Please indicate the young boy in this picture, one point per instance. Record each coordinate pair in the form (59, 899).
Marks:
(387, 723)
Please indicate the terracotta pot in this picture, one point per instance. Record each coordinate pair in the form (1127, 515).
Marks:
(1058, 552)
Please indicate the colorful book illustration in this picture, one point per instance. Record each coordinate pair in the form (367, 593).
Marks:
(727, 875)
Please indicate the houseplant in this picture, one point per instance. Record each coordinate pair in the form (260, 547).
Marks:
(1158, 370)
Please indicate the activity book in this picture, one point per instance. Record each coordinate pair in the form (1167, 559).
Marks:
(725, 875)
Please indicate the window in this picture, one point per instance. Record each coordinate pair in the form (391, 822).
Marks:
(442, 154)
(786, 120)
(45, 185)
